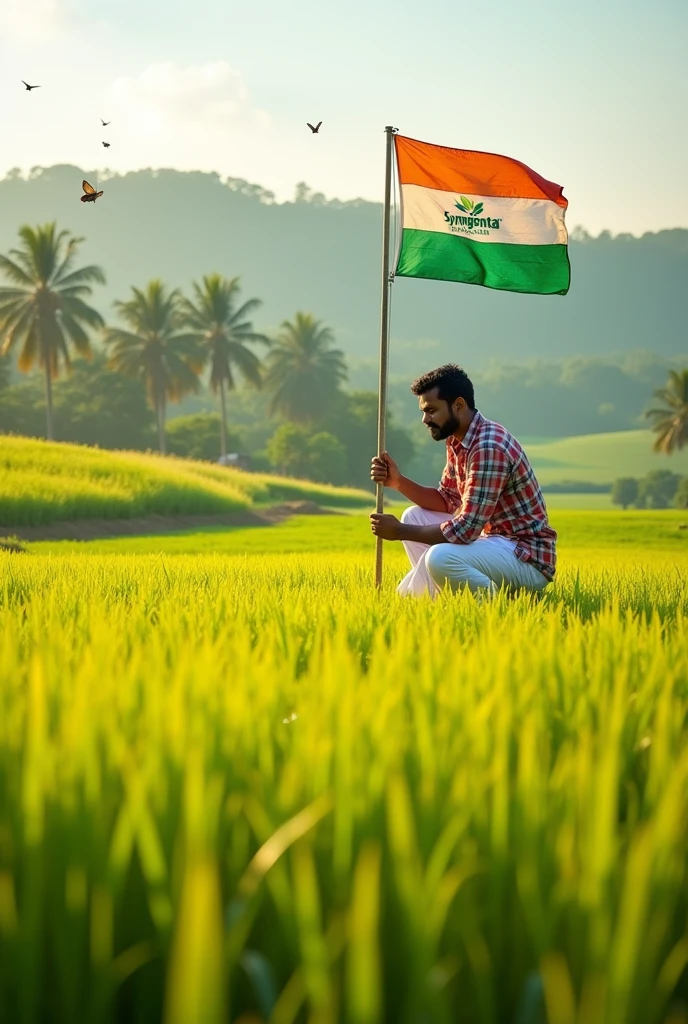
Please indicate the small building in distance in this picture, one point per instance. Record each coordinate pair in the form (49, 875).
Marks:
(235, 460)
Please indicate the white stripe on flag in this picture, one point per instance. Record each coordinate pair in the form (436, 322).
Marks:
(514, 221)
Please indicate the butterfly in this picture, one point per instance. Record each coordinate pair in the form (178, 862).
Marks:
(104, 123)
(91, 194)
(314, 130)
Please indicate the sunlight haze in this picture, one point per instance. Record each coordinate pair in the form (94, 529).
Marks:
(590, 95)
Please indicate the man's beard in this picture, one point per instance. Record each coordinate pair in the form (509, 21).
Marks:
(443, 432)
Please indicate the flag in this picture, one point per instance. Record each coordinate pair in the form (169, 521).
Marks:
(479, 218)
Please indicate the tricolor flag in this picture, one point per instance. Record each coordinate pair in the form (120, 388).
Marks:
(479, 218)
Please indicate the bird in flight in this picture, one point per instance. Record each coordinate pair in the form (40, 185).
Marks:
(91, 194)
(314, 130)
(107, 145)
(29, 87)
(104, 123)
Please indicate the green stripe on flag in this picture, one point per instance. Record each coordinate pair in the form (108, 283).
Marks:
(537, 269)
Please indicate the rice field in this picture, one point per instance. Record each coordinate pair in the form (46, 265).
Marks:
(246, 787)
(629, 536)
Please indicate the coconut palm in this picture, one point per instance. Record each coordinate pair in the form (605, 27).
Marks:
(223, 332)
(43, 312)
(303, 370)
(155, 348)
(671, 420)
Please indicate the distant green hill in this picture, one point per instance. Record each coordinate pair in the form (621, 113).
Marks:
(601, 458)
(589, 458)
(626, 294)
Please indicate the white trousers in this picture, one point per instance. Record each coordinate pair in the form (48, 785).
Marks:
(484, 565)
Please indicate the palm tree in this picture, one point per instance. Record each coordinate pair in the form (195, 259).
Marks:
(155, 349)
(671, 421)
(222, 334)
(44, 311)
(5, 374)
(303, 371)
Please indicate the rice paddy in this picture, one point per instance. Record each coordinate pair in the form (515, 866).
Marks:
(237, 784)
(247, 787)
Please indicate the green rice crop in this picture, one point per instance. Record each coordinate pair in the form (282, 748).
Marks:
(42, 482)
(623, 536)
(250, 788)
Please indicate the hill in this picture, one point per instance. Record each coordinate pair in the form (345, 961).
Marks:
(626, 292)
(43, 482)
(588, 458)
(601, 458)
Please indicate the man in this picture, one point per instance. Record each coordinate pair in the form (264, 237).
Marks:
(486, 526)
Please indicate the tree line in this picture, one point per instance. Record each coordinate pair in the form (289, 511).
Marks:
(627, 293)
(659, 489)
(168, 341)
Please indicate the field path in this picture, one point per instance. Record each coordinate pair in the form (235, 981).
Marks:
(92, 529)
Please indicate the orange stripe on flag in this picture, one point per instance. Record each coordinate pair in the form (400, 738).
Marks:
(465, 170)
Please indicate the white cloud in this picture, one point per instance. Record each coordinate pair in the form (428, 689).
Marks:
(34, 19)
(190, 101)
(197, 117)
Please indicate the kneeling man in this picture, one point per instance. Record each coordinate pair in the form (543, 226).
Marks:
(486, 526)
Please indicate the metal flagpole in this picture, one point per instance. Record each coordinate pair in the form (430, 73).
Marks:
(384, 342)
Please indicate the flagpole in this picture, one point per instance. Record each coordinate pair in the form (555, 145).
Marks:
(384, 341)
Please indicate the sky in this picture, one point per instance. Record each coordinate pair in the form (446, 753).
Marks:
(591, 95)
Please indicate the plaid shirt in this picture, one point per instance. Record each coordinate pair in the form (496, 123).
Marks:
(490, 488)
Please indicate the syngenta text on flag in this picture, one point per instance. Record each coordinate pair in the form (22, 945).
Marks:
(479, 218)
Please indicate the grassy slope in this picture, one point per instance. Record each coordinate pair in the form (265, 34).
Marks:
(600, 458)
(43, 482)
(588, 502)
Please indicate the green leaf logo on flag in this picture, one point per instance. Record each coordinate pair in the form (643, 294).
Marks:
(468, 206)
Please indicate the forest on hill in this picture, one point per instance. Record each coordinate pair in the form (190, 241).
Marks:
(546, 367)
(323, 256)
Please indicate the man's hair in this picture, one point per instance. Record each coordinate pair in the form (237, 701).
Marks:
(451, 382)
